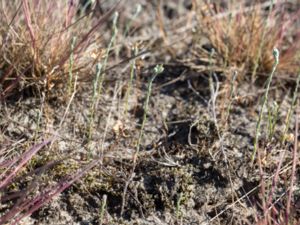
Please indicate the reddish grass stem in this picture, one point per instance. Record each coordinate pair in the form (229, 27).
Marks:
(24, 159)
(293, 175)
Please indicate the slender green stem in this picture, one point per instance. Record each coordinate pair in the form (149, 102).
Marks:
(157, 70)
(231, 94)
(272, 118)
(265, 98)
(132, 70)
(102, 209)
(291, 110)
(136, 14)
(112, 40)
(178, 205)
(96, 87)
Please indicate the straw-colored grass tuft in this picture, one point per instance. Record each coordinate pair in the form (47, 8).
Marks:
(36, 39)
(244, 37)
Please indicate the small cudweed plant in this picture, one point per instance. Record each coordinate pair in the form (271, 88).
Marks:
(276, 55)
(265, 99)
(157, 70)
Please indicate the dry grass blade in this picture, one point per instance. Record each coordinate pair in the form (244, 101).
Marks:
(244, 39)
(26, 205)
(35, 43)
(52, 191)
(294, 165)
(23, 160)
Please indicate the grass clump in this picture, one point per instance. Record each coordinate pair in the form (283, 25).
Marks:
(36, 39)
(244, 37)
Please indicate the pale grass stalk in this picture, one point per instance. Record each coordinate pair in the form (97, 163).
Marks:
(214, 94)
(269, 203)
(86, 6)
(213, 90)
(39, 119)
(102, 209)
(157, 70)
(100, 75)
(178, 206)
(265, 99)
(69, 103)
(112, 40)
(116, 91)
(294, 168)
(258, 125)
(273, 112)
(136, 14)
(96, 94)
(132, 71)
(233, 79)
(66, 110)
(291, 110)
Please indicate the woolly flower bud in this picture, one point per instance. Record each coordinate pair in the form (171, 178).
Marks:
(116, 15)
(158, 69)
(276, 55)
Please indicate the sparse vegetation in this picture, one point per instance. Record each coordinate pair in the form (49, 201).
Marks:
(244, 37)
(149, 112)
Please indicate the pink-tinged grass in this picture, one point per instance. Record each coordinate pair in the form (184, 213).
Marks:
(19, 163)
(272, 213)
(35, 43)
(294, 165)
(34, 195)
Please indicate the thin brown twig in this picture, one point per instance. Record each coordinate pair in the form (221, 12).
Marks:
(294, 164)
